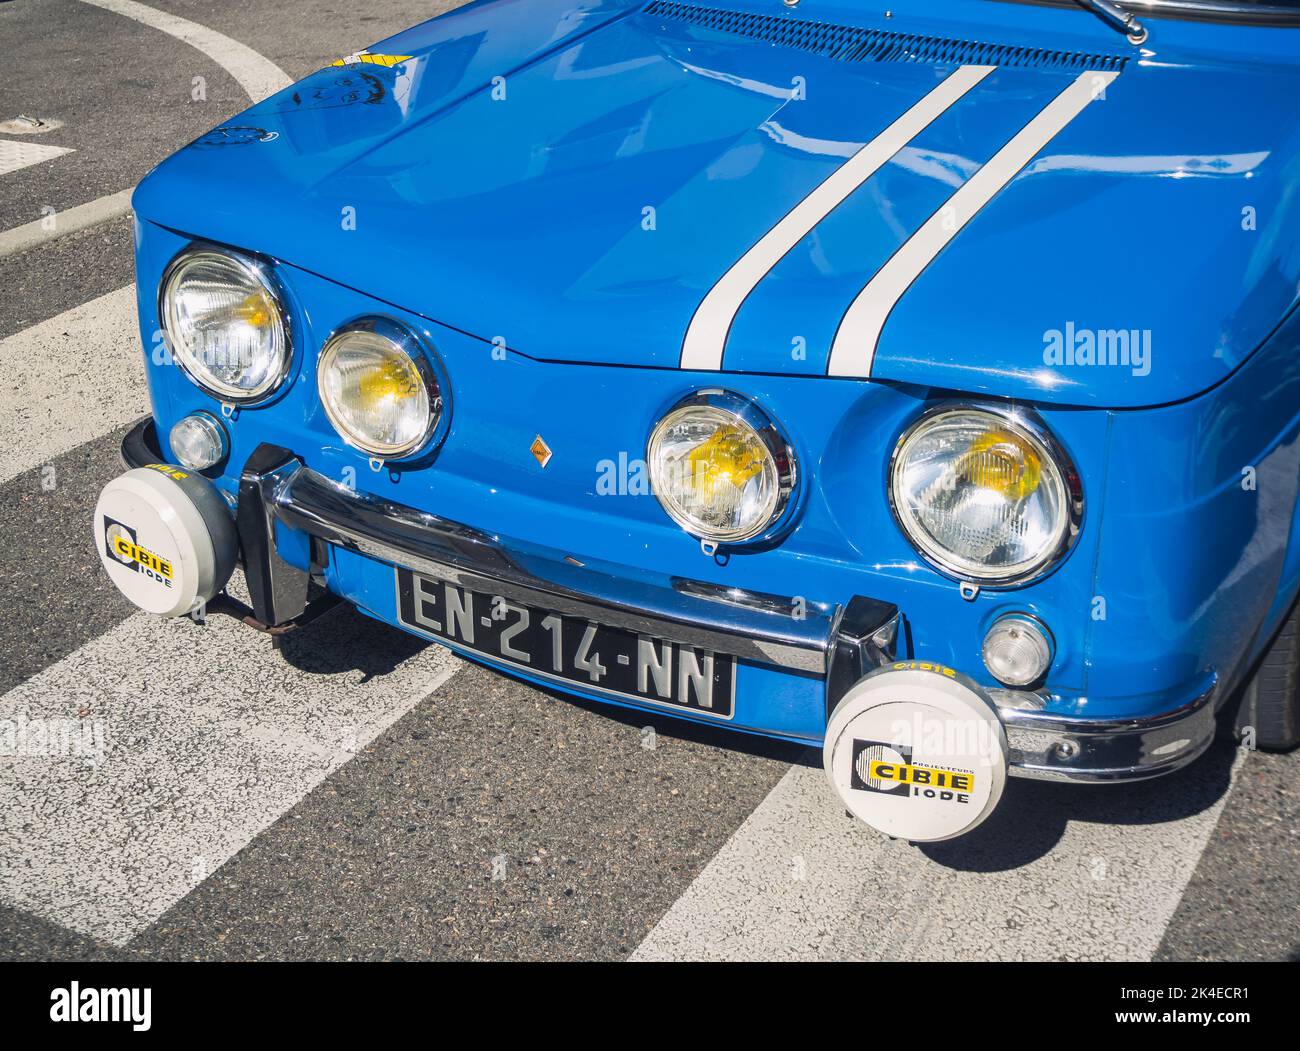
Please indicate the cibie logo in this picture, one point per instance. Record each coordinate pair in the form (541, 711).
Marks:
(168, 470)
(76, 1004)
(121, 545)
(889, 770)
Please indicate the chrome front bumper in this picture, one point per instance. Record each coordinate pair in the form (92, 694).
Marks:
(837, 643)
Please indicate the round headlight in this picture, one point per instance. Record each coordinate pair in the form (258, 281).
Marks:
(720, 467)
(225, 323)
(983, 495)
(378, 389)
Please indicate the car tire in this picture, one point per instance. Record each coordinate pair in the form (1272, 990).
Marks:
(1270, 701)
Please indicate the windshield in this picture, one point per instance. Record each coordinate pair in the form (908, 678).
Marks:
(1253, 12)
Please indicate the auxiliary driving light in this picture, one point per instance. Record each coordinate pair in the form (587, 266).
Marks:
(1018, 650)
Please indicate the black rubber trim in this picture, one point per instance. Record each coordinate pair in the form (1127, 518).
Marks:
(277, 590)
(140, 446)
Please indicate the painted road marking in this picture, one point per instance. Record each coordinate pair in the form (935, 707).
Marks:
(15, 155)
(255, 73)
(20, 238)
(800, 881)
(209, 736)
(70, 379)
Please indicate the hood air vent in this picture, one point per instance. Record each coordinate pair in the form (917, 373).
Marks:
(852, 44)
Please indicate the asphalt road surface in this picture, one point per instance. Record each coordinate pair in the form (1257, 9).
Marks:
(362, 795)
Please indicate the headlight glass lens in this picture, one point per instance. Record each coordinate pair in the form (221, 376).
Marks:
(719, 468)
(225, 324)
(981, 496)
(198, 441)
(1017, 650)
(376, 391)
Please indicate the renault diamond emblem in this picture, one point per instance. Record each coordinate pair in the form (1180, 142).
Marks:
(540, 450)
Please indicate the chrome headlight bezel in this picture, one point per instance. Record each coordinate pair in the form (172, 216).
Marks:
(256, 270)
(426, 364)
(1026, 425)
(746, 412)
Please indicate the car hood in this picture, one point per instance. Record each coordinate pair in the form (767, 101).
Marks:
(577, 181)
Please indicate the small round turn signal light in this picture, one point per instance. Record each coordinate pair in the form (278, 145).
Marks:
(198, 441)
(1018, 650)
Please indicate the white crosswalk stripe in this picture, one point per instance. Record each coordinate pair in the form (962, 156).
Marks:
(69, 380)
(15, 154)
(800, 881)
(255, 73)
(68, 221)
(208, 736)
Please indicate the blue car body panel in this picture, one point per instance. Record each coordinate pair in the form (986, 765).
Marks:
(459, 190)
(491, 190)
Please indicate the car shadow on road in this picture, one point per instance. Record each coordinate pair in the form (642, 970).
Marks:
(672, 728)
(1032, 817)
(345, 640)
(1029, 822)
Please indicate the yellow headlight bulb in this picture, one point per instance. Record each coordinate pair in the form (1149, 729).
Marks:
(728, 457)
(388, 381)
(255, 310)
(1002, 462)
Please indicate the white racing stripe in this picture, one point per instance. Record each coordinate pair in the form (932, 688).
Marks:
(799, 880)
(859, 330)
(69, 379)
(256, 74)
(210, 735)
(706, 337)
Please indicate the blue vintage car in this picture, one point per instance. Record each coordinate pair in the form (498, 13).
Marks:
(918, 383)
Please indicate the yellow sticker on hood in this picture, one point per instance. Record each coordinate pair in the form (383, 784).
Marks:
(374, 60)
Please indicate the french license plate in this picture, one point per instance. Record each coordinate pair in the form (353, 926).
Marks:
(569, 649)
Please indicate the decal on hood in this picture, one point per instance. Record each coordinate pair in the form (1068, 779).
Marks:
(374, 60)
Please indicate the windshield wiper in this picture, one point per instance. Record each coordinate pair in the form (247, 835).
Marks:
(1116, 17)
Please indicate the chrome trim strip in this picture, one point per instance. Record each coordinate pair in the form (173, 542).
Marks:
(1232, 13)
(612, 594)
(774, 605)
(855, 342)
(1052, 747)
(706, 336)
